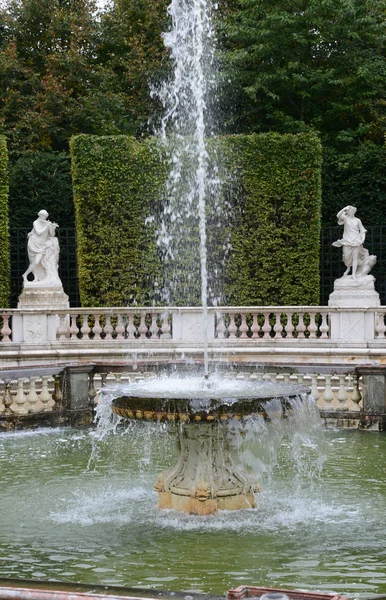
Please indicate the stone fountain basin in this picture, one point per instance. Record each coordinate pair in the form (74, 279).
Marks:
(142, 402)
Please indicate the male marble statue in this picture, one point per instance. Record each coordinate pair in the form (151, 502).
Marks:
(43, 252)
(355, 256)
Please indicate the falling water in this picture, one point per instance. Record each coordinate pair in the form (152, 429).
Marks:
(184, 131)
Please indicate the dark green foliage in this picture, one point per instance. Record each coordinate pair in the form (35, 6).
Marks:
(321, 64)
(357, 178)
(272, 194)
(41, 180)
(116, 180)
(275, 240)
(4, 233)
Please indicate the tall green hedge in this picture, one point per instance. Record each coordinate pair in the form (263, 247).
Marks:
(115, 181)
(4, 226)
(276, 232)
(266, 218)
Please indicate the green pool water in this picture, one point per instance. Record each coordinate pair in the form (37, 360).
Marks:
(64, 520)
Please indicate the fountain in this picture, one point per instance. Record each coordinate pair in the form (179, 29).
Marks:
(207, 476)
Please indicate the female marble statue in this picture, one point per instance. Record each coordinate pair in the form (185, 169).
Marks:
(355, 256)
(43, 251)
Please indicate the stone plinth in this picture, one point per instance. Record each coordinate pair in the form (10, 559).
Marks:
(354, 323)
(36, 295)
(39, 327)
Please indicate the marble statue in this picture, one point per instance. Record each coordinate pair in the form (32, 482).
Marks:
(355, 256)
(43, 252)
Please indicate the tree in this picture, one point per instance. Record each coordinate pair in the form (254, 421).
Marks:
(297, 64)
(52, 84)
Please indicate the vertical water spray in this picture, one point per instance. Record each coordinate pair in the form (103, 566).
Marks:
(184, 131)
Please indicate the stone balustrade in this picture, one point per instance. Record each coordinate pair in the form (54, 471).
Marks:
(332, 391)
(22, 395)
(140, 325)
(29, 394)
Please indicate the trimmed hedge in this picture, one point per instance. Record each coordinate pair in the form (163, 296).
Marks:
(115, 182)
(275, 238)
(268, 213)
(4, 226)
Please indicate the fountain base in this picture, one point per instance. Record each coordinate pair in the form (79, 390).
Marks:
(193, 506)
(205, 478)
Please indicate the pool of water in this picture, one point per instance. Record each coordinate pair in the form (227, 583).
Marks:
(63, 519)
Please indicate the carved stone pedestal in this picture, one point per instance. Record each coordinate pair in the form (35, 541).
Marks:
(205, 478)
(37, 325)
(36, 295)
(353, 323)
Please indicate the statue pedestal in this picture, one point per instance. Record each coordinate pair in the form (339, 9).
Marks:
(36, 295)
(38, 326)
(354, 296)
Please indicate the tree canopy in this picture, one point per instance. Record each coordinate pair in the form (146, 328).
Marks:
(67, 69)
(296, 64)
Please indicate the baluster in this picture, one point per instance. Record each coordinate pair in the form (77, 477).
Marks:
(131, 330)
(300, 378)
(300, 328)
(120, 328)
(154, 326)
(6, 330)
(108, 328)
(244, 327)
(328, 396)
(91, 389)
(380, 325)
(74, 327)
(255, 328)
(220, 328)
(324, 328)
(58, 394)
(232, 327)
(142, 329)
(342, 392)
(85, 329)
(356, 395)
(45, 397)
(314, 387)
(103, 379)
(289, 328)
(267, 326)
(286, 377)
(312, 328)
(20, 398)
(2, 407)
(33, 398)
(63, 331)
(8, 400)
(278, 327)
(97, 329)
(165, 327)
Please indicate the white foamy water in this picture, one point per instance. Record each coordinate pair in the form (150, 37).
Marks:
(184, 131)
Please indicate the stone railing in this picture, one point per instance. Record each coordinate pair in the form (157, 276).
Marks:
(27, 394)
(331, 390)
(140, 325)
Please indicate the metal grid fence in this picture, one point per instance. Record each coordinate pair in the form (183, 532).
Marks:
(331, 265)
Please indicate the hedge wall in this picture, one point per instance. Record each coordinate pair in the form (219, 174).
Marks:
(115, 182)
(4, 227)
(275, 237)
(267, 218)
